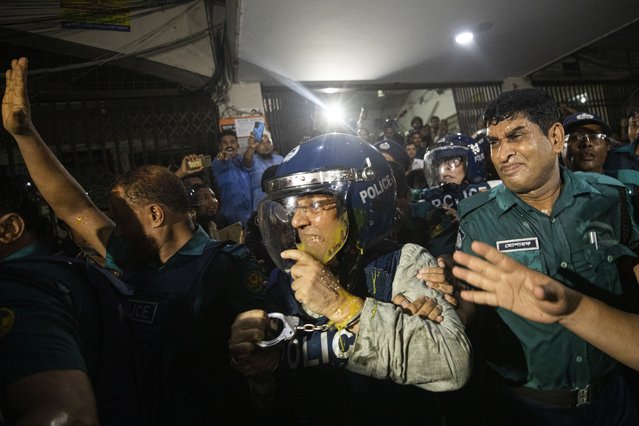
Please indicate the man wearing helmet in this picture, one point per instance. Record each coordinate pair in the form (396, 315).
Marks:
(324, 221)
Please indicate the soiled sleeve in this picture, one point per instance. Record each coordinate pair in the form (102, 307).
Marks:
(407, 349)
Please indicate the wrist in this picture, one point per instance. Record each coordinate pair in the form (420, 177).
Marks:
(25, 132)
(348, 311)
(576, 305)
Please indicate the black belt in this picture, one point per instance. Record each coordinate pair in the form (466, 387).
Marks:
(566, 398)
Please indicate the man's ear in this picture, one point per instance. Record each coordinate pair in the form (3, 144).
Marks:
(11, 228)
(556, 137)
(156, 214)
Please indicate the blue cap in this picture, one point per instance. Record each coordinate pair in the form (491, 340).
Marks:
(582, 118)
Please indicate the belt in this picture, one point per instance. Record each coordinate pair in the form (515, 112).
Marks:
(565, 398)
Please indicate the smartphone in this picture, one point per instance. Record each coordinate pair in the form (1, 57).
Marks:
(202, 161)
(258, 131)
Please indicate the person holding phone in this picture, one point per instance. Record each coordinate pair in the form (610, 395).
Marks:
(233, 180)
(259, 142)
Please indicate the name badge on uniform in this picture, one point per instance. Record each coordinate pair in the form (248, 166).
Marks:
(142, 311)
(521, 244)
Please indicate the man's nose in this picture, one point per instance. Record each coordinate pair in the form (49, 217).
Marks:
(300, 218)
(585, 141)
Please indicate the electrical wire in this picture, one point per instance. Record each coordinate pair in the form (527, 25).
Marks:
(135, 47)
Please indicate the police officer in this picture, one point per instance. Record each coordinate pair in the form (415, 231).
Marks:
(187, 287)
(57, 363)
(454, 169)
(324, 221)
(568, 226)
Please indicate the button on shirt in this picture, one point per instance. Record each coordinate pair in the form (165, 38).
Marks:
(577, 245)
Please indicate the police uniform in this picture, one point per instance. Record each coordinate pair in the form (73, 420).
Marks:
(182, 314)
(578, 245)
(623, 157)
(51, 319)
(38, 331)
(630, 178)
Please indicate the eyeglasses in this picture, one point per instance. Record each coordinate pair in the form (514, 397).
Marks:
(595, 138)
(452, 162)
(316, 207)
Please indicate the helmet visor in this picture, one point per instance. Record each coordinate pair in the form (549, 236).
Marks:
(441, 170)
(313, 222)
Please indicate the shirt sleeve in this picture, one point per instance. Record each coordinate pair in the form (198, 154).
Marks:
(38, 332)
(407, 349)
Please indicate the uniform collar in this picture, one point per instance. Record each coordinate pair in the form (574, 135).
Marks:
(32, 249)
(194, 247)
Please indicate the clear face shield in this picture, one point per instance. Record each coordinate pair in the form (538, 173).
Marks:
(441, 171)
(313, 220)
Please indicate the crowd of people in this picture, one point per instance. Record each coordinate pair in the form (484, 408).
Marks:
(422, 278)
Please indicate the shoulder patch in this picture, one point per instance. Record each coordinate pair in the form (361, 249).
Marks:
(7, 318)
(255, 282)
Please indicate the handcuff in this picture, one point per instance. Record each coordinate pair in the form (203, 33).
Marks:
(290, 327)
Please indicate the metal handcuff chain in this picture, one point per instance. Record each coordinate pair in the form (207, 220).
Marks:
(290, 327)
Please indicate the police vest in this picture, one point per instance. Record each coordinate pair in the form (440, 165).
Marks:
(173, 349)
(450, 195)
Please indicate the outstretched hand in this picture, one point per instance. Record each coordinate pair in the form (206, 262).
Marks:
(16, 111)
(503, 282)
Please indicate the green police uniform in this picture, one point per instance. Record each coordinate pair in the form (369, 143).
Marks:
(578, 245)
(47, 321)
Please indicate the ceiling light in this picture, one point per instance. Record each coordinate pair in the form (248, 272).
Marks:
(333, 113)
(331, 90)
(464, 38)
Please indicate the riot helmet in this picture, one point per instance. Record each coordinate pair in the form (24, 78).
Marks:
(335, 178)
(455, 158)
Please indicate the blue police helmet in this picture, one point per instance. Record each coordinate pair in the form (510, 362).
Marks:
(349, 168)
(458, 145)
(396, 151)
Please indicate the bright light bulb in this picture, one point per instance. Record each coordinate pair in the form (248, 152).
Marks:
(464, 38)
(334, 113)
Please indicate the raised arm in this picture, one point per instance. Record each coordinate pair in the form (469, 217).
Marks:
(506, 283)
(247, 159)
(63, 193)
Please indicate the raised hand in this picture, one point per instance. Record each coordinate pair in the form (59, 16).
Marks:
(184, 169)
(16, 110)
(506, 283)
